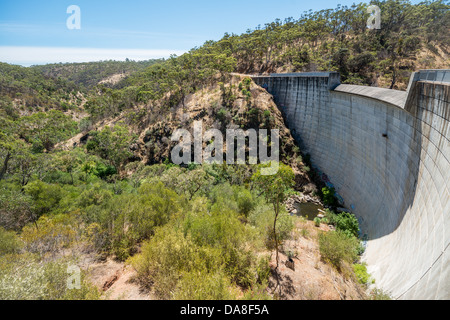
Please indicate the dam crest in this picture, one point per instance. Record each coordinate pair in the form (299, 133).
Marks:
(387, 153)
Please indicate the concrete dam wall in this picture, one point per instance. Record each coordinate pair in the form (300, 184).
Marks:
(387, 153)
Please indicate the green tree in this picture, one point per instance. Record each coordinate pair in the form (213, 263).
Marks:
(45, 130)
(112, 144)
(276, 189)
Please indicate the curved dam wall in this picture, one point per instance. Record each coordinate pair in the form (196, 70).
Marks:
(387, 153)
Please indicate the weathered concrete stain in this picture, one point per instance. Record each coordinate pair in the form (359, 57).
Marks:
(388, 154)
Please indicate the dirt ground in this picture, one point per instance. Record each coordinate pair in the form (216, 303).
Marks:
(312, 278)
(115, 280)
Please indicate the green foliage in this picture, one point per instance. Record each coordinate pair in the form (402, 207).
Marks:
(103, 171)
(203, 286)
(34, 89)
(378, 294)
(347, 223)
(317, 222)
(111, 144)
(222, 230)
(46, 197)
(88, 75)
(328, 196)
(361, 273)
(26, 278)
(9, 242)
(212, 250)
(275, 187)
(45, 130)
(336, 248)
(262, 218)
(16, 209)
(169, 255)
(50, 234)
(244, 199)
(122, 221)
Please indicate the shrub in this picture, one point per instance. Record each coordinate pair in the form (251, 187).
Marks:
(124, 220)
(203, 286)
(262, 218)
(26, 278)
(16, 209)
(361, 273)
(317, 222)
(329, 198)
(46, 197)
(167, 256)
(337, 248)
(103, 171)
(378, 294)
(247, 82)
(244, 200)
(51, 235)
(222, 114)
(9, 242)
(223, 196)
(347, 223)
(263, 270)
(222, 229)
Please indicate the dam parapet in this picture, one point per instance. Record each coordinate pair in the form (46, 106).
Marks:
(387, 152)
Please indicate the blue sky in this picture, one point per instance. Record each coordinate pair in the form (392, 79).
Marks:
(35, 32)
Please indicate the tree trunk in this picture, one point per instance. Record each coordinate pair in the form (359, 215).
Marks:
(5, 165)
(275, 235)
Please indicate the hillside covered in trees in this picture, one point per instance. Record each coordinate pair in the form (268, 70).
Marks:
(85, 171)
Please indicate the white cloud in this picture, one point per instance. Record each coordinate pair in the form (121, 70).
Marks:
(42, 55)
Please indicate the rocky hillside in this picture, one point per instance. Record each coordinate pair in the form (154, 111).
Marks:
(238, 104)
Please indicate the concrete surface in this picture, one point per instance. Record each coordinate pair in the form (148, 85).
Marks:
(387, 153)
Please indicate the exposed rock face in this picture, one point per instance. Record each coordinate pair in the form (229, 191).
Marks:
(255, 110)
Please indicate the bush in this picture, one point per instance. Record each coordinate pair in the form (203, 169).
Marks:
(329, 198)
(361, 273)
(337, 248)
(46, 197)
(262, 218)
(221, 229)
(378, 294)
(169, 255)
(125, 220)
(9, 242)
(204, 286)
(26, 278)
(16, 209)
(223, 196)
(103, 171)
(222, 114)
(244, 200)
(317, 222)
(347, 223)
(51, 235)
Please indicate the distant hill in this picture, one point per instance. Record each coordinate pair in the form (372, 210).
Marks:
(29, 89)
(92, 73)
